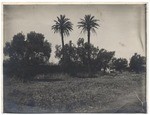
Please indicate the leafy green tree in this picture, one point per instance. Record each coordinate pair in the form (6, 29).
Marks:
(137, 63)
(103, 59)
(31, 50)
(67, 55)
(38, 49)
(83, 50)
(120, 64)
(72, 57)
(25, 54)
(16, 49)
(62, 26)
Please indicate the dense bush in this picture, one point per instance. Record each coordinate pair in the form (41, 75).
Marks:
(120, 64)
(75, 59)
(68, 57)
(31, 50)
(29, 56)
(83, 50)
(137, 63)
(103, 59)
(24, 53)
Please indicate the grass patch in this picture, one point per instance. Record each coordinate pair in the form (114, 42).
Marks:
(63, 93)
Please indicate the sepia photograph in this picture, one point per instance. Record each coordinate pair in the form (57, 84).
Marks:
(74, 58)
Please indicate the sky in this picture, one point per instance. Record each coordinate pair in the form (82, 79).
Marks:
(122, 26)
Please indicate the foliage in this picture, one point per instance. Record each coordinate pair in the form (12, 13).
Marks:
(16, 49)
(38, 49)
(67, 55)
(120, 64)
(103, 59)
(32, 50)
(83, 49)
(24, 52)
(72, 57)
(62, 26)
(137, 63)
(88, 24)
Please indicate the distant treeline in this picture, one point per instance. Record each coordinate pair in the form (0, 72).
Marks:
(29, 56)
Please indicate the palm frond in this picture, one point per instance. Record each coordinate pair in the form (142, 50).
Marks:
(88, 23)
(62, 24)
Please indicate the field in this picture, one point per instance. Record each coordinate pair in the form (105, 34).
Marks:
(55, 93)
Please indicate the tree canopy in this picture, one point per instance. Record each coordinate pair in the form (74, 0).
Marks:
(120, 64)
(30, 50)
(137, 63)
(88, 23)
(63, 26)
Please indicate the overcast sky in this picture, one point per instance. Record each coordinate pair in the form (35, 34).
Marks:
(121, 26)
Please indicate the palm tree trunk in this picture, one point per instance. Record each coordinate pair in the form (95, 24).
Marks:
(62, 39)
(88, 35)
(89, 60)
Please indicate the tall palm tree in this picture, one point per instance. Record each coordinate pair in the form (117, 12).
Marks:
(63, 26)
(88, 24)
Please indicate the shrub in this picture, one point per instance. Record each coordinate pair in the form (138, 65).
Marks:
(137, 63)
(120, 64)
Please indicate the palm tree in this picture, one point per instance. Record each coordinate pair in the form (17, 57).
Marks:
(62, 26)
(88, 24)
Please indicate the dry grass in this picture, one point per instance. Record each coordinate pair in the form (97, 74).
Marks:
(62, 93)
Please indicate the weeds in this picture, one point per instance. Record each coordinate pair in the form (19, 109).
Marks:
(73, 94)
